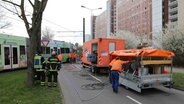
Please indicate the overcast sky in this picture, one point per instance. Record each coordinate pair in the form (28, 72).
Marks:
(62, 15)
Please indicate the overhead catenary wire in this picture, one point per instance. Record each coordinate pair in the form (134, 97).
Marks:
(56, 24)
(14, 18)
(30, 12)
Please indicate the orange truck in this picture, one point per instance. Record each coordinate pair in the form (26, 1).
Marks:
(95, 53)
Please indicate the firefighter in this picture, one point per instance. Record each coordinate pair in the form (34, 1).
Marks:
(115, 71)
(53, 68)
(39, 66)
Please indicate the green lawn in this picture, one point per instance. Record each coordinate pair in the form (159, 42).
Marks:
(178, 79)
(14, 91)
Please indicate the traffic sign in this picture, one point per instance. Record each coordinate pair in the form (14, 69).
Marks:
(45, 42)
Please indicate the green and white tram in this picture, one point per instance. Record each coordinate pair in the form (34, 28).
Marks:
(59, 46)
(12, 52)
(65, 48)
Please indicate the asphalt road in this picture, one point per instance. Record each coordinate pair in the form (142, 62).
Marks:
(80, 87)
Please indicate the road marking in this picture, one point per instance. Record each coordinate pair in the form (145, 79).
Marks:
(133, 100)
(76, 66)
(91, 75)
(96, 78)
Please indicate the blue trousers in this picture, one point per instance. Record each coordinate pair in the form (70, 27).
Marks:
(115, 80)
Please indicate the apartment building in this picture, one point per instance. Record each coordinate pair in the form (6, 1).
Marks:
(93, 19)
(134, 16)
(101, 25)
(141, 17)
(111, 17)
(176, 14)
(181, 15)
(159, 20)
(173, 13)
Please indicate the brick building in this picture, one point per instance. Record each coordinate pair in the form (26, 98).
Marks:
(101, 25)
(141, 17)
(134, 16)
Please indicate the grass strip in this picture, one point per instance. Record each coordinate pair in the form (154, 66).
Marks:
(178, 79)
(13, 90)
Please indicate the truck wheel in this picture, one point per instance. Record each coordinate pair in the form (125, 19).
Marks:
(93, 69)
(126, 87)
(83, 65)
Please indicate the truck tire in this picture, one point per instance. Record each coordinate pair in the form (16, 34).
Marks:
(83, 65)
(93, 69)
(127, 87)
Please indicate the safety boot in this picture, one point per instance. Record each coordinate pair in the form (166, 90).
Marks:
(54, 84)
(36, 82)
(49, 84)
(42, 83)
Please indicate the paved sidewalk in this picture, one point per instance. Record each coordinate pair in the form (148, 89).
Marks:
(70, 96)
(178, 69)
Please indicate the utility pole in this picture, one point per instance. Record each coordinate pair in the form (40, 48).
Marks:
(92, 17)
(83, 30)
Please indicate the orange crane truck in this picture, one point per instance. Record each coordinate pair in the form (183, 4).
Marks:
(95, 53)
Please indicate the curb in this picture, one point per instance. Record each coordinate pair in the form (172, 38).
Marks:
(61, 93)
(177, 88)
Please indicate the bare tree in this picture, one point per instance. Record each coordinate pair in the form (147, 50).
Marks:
(33, 27)
(76, 45)
(131, 40)
(47, 34)
(3, 22)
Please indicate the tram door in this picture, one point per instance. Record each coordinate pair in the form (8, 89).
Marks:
(10, 57)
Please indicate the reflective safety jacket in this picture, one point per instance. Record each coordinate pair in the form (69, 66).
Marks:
(110, 64)
(117, 65)
(37, 62)
(53, 63)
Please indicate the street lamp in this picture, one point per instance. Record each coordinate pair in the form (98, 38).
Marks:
(92, 24)
(91, 10)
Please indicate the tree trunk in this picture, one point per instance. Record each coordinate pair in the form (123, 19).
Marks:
(33, 29)
(34, 45)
